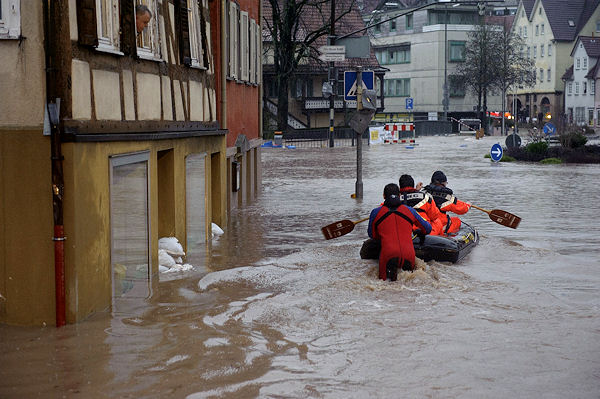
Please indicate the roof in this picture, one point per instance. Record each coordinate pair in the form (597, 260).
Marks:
(567, 18)
(591, 45)
(313, 18)
(592, 72)
(568, 75)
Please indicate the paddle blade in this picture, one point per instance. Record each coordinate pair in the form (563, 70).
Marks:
(505, 218)
(337, 229)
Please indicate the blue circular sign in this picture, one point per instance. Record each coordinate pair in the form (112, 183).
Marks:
(496, 152)
(549, 129)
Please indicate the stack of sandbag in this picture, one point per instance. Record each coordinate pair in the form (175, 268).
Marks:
(170, 256)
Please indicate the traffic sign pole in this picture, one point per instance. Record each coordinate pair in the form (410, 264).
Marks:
(358, 189)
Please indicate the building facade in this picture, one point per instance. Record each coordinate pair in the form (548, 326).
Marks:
(308, 107)
(580, 82)
(422, 49)
(549, 29)
(119, 134)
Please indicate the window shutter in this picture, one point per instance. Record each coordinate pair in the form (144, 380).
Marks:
(86, 23)
(128, 32)
(183, 32)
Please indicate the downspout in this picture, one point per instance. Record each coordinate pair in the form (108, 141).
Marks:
(224, 66)
(53, 109)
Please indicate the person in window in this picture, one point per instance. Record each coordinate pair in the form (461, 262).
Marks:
(392, 225)
(143, 15)
(446, 202)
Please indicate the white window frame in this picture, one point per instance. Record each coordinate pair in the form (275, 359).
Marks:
(541, 75)
(576, 88)
(233, 40)
(195, 27)
(244, 44)
(570, 88)
(148, 42)
(10, 19)
(585, 63)
(549, 73)
(107, 25)
(549, 49)
(592, 86)
(541, 50)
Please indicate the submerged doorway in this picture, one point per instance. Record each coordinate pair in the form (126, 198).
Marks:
(130, 227)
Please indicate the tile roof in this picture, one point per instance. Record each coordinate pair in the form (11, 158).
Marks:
(591, 45)
(592, 72)
(567, 18)
(568, 75)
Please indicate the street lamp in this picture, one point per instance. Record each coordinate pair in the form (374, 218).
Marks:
(446, 100)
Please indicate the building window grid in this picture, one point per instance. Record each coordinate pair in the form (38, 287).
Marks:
(196, 50)
(542, 29)
(548, 73)
(396, 87)
(457, 51)
(541, 50)
(549, 49)
(409, 21)
(541, 75)
(537, 30)
(570, 88)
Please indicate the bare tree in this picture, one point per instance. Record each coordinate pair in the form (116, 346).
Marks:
(294, 27)
(477, 73)
(512, 68)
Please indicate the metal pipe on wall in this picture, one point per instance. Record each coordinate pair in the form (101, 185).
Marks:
(53, 108)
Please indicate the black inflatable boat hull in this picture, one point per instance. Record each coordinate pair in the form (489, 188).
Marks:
(440, 248)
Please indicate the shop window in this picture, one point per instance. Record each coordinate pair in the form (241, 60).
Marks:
(195, 204)
(130, 229)
(10, 19)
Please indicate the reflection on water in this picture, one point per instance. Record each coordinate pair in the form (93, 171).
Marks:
(280, 312)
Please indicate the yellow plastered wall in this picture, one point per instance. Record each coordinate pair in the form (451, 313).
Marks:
(26, 248)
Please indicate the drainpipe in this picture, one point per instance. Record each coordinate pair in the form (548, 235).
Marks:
(224, 65)
(53, 108)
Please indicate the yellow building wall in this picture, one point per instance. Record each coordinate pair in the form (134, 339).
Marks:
(26, 248)
(26, 229)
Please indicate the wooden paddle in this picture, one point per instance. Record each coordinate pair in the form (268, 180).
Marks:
(502, 217)
(338, 229)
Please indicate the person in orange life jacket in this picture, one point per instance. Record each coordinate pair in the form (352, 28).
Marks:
(421, 201)
(392, 224)
(446, 202)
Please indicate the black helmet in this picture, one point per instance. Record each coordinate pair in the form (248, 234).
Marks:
(438, 177)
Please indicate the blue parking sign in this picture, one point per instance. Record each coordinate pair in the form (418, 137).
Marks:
(409, 103)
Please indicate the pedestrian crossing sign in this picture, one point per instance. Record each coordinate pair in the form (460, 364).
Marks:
(350, 87)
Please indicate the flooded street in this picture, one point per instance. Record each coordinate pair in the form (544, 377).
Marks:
(276, 311)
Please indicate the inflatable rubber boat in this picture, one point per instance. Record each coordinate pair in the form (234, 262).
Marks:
(450, 248)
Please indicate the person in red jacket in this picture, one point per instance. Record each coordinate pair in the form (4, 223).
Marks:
(446, 202)
(392, 224)
(421, 201)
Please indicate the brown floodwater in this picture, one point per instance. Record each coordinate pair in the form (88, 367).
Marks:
(274, 311)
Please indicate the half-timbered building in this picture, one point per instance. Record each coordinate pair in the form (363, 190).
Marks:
(111, 138)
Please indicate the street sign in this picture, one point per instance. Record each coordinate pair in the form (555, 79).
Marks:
(332, 57)
(409, 103)
(496, 152)
(549, 129)
(368, 77)
(332, 53)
